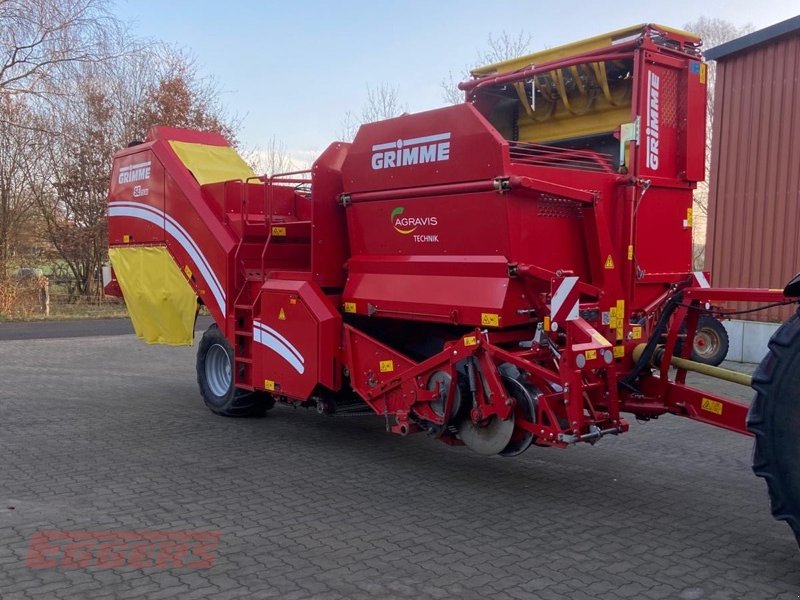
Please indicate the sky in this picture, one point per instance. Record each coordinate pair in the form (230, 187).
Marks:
(291, 70)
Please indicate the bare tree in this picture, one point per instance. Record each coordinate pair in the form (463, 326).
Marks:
(38, 37)
(69, 176)
(383, 102)
(270, 159)
(503, 47)
(713, 31)
(105, 106)
(17, 208)
(183, 97)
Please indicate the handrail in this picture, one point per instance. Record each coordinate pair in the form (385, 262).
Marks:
(270, 181)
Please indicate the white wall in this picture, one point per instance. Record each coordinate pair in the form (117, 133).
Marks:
(748, 339)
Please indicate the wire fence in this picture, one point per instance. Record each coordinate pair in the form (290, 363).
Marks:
(36, 298)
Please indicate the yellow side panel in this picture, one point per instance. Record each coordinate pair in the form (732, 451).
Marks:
(212, 164)
(564, 125)
(160, 301)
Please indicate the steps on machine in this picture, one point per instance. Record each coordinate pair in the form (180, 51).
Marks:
(271, 222)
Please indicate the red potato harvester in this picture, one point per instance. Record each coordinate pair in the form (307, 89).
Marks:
(512, 271)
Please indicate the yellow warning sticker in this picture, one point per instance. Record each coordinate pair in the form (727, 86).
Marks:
(619, 351)
(349, 307)
(636, 332)
(279, 231)
(712, 406)
(269, 385)
(702, 72)
(630, 252)
(591, 354)
(470, 340)
(689, 217)
(386, 366)
(281, 315)
(609, 263)
(490, 319)
(188, 271)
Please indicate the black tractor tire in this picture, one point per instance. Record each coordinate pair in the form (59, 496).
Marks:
(215, 378)
(774, 419)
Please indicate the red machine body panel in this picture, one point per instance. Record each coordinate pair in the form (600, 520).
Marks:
(455, 143)
(137, 178)
(153, 198)
(299, 331)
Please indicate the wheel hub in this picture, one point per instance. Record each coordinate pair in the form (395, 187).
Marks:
(218, 370)
(705, 343)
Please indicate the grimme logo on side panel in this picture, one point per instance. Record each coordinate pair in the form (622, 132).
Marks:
(138, 172)
(653, 117)
(413, 151)
(407, 225)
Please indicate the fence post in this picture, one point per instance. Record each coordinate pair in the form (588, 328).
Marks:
(44, 295)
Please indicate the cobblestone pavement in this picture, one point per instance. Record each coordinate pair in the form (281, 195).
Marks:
(103, 433)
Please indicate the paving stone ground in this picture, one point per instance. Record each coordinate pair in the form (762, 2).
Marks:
(107, 433)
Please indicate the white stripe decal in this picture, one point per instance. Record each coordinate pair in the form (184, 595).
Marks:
(157, 217)
(427, 139)
(438, 137)
(136, 166)
(183, 232)
(179, 233)
(270, 341)
(386, 146)
(283, 340)
(701, 279)
(561, 294)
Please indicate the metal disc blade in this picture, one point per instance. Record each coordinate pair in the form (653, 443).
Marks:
(525, 395)
(487, 440)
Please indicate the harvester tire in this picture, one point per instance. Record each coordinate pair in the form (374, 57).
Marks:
(215, 378)
(711, 342)
(774, 419)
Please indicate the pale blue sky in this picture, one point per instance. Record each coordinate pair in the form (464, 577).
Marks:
(292, 69)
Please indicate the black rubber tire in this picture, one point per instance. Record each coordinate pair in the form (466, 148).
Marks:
(233, 402)
(774, 418)
(711, 326)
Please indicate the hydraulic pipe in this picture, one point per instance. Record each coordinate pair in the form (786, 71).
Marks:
(617, 53)
(696, 367)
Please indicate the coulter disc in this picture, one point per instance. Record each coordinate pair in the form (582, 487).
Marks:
(526, 396)
(488, 439)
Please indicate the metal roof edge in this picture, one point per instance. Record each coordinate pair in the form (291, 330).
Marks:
(753, 39)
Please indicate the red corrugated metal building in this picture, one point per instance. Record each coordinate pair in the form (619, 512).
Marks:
(753, 237)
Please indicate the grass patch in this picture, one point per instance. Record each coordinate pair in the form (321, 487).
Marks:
(75, 310)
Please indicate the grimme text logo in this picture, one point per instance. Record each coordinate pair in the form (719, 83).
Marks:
(138, 172)
(653, 117)
(413, 151)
